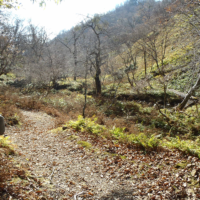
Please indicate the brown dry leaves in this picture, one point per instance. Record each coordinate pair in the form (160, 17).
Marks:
(59, 168)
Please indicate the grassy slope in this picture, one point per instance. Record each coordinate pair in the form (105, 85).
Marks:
(180, 130)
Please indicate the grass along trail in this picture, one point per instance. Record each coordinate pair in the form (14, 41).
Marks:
(64, 169)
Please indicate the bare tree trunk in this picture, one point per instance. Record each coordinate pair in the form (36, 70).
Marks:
(85, 104)
(85, 94)
(75, 67)
(98, 83)
(145, 62)
(129, 80)
(75, 58)
(189, 94)
(165, 94)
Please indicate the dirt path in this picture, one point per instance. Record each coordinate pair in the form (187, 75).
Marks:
(66, 170)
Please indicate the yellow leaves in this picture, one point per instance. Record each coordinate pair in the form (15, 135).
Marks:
(5, 142)
(87, 124)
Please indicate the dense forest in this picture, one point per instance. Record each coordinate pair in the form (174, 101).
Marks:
(120, 90)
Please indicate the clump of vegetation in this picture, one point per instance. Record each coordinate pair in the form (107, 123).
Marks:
(6, 143)
(85, 144)
(86, 125)
(186, 146)
(183, 123)
(117, 133)
(144, 141)
(90, 126)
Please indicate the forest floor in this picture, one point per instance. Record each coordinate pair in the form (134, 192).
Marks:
(64, 166)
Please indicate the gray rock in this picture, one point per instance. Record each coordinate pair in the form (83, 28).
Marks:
(2, 125)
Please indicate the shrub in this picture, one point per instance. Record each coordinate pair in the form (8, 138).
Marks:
(87, 125)
(186, 146)
(142, 140)
(5, 143)
(118, 133)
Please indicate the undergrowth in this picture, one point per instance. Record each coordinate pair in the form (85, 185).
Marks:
(116, 133)
(6, 144)
(8, 172)
(147, 142)
(186, 146)
(9, 111)
(143, 123)
(185, 124)
(11, 102)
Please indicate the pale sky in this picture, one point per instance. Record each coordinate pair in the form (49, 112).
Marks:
(64, 15)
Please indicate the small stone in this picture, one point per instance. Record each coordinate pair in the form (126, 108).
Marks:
(189, 165)
(194, 171)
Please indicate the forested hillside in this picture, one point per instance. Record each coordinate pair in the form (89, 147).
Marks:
(118, 91)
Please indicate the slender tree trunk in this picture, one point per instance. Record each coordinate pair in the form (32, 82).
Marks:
(129, 80)
(165, 94)
(85, 93)
(54, 84)
(98, 70)
(75, 65)
(75, 59)
(84, 107)
(137, 89)
(189, 94)
(74, 77)
(98, 83)
(145, 62)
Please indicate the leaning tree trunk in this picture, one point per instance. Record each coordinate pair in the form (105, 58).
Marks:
(129, 80)
(189, 94)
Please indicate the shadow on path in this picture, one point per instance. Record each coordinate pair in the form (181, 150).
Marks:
(119, 195)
